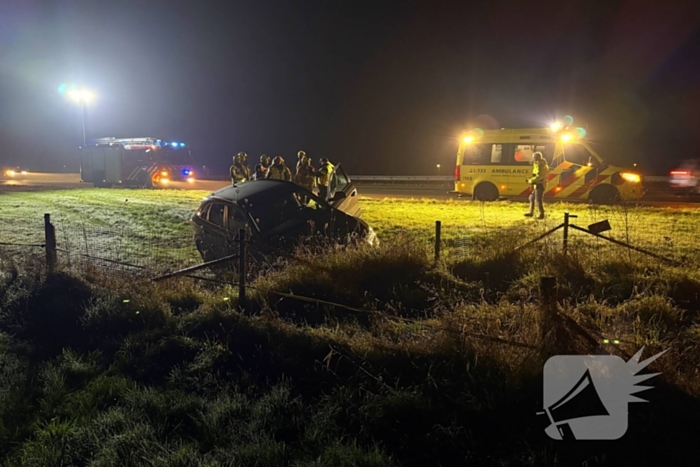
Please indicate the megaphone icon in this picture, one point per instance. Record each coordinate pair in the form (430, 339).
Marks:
(581, 401)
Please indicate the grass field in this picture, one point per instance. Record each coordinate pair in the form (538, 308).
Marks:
(443, 366)
(157, 216)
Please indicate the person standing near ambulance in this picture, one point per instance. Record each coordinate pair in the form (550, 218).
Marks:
(540, 169)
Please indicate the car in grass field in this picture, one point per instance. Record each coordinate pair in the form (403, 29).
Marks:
(277, 216)
(686, 176)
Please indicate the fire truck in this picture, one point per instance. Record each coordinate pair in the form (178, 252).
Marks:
(493, 164)
(135, 162)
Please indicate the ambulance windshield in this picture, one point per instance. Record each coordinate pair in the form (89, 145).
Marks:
(577, 154)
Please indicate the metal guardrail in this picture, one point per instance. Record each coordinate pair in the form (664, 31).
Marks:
(450, 178)
(403, 178)
(655, 178)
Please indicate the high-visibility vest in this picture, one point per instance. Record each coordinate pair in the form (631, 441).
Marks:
(240, 173)
(539, 172)
(279, 172)
(325, 172)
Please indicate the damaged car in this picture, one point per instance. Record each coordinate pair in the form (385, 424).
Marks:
(277, 216)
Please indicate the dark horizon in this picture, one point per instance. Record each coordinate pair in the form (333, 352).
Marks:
(381, 88)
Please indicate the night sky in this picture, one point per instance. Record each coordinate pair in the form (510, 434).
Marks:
(383, 87)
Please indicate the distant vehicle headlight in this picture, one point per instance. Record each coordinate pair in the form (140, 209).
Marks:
(630, 177)
(10, 173)
(164, 174)
(24, 172)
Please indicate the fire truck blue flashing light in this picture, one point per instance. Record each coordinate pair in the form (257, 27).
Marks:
(185, 171)
(174, 144)
(182, 145)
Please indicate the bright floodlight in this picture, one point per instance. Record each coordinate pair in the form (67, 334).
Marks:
(468, 139)
(81, 95)
(556, 126)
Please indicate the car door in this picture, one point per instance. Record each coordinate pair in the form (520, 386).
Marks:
(343, 195)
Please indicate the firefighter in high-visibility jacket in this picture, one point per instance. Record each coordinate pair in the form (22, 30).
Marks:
(306, 174)
(540, 169)
(240, 172)
(279, 171)
(324, 173)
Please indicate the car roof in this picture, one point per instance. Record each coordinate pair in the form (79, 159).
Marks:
(253, 189)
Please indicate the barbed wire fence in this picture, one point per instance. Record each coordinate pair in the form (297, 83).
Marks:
(630, 233)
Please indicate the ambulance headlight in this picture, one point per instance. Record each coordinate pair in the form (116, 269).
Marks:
(631, 177)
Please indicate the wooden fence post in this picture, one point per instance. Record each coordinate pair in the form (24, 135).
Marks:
(242, 260)
(566, 232)
(50, 242)
(438, 228)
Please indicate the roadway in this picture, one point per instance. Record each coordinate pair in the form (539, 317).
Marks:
(658, 196)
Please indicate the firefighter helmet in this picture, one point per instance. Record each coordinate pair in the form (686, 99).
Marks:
(278, 159)
(241, 156)
(323, 160)
(264, 158)
(301, 154)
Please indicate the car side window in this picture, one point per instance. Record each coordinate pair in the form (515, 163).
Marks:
(216, 214)
(477, 154)
(204, 212)
(236, 220)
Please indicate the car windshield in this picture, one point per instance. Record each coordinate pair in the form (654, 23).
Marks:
(272, 208)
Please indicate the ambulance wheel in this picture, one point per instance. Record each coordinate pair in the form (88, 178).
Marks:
(604, 194)
(486, 192)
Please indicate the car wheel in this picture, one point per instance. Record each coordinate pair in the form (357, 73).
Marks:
(486, 192)
(604, 194)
